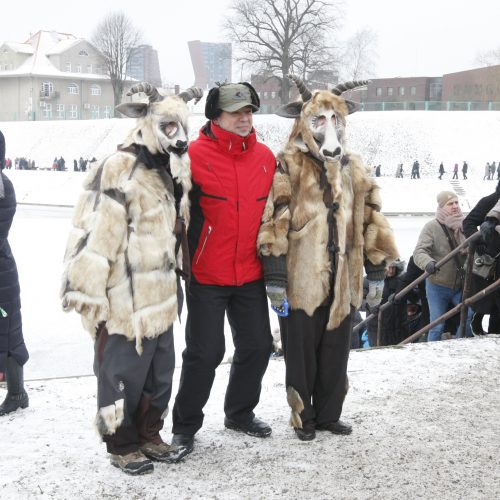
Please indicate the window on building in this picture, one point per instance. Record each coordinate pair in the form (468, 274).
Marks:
(390, 91)
(47, 111)
(435, 91)
(265, 95)
(47, 89)
(73, 111)
(413, 90)
(107, 112)
(94, 111)
(95, 90)
(401, 91)
(60, 110)
(78, 68)
(68, 66)
(379, 91)
(83, 52)
(273, 94)
(73, 88)
(89, 68)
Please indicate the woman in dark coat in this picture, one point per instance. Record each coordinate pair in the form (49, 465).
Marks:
(490, 304)
(13, 352)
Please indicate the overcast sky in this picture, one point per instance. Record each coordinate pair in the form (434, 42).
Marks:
(419, 38)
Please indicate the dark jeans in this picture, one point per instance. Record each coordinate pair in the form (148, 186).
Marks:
(248, 315)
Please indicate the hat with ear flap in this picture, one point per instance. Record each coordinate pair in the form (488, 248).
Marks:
(230, 97)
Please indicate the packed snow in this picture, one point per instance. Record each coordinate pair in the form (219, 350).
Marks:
(425, 416)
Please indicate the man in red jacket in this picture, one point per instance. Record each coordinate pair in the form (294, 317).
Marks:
(232, 174)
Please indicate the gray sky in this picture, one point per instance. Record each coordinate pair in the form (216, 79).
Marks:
(418, 38)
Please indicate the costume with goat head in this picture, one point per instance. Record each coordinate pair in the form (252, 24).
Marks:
(121, 259)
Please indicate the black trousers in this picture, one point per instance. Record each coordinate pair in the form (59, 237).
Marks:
(316, 362)
(143, 382)
(247, 312)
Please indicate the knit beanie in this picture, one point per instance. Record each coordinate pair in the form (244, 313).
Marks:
(444, 197)
(2, 150)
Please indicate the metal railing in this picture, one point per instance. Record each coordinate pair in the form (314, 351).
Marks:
(462, 306)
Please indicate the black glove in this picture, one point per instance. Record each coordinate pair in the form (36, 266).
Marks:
(431, 267)
(487, 229)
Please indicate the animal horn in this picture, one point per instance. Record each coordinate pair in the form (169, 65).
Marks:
(305, 93)
(342, 87)
(192, 93)
(148, 89)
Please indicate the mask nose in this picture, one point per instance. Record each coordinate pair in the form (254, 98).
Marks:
(181, 144)
(330, 154)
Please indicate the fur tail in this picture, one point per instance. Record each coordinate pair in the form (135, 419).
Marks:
(296, 404)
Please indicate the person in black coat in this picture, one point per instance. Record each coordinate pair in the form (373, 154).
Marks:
(490, 304)
(13, 352)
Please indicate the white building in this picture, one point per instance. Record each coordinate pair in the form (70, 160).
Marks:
(53, 76)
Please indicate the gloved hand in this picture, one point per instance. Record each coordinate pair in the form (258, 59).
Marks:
(431, 267)
(277, 296)
(374, 296)
(481, 247)
(487, 229)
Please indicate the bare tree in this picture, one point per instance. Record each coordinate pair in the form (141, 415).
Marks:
(488, 57)
(115, 36)
(283, 36)
(359, 55)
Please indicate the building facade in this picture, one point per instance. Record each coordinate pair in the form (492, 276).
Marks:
(212, 62)
(53, 76)
(143, 65)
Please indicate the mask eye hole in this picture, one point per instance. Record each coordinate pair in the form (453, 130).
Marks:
(319, 121)
(169, 128)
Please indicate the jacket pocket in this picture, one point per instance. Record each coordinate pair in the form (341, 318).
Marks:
(204, 244)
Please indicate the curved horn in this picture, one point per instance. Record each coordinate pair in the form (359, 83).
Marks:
(305, 93)
(342, 87)
(148, 89)
(191, 93)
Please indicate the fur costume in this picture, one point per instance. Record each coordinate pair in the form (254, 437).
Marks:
(120, 258)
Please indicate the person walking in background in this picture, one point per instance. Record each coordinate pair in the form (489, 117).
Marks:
(400, 171)
(439, 237)
(498, 171)
(489, 304)
(13, 352)
(455, 171)
(465, 167)
(415, 170)
(487, 172)
(232, 173)
(492, 171)
(441, 171)
(377, 171)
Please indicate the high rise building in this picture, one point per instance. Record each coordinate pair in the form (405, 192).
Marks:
(212, 62)
(143, 65)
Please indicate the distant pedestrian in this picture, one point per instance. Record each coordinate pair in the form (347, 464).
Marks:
(465, 167)
(455, 171)
(441, 170)
(415, 170)
(377, 171)
(75, 165)
(487, 171)
(498, 171)
(492, 171)
(399, 171)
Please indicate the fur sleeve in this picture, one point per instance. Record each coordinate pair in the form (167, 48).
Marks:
(99, 230)
(380, 243)
(272, 239)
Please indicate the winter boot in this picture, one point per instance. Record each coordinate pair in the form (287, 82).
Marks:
(16, 395)
(476, 324)
(134, 463)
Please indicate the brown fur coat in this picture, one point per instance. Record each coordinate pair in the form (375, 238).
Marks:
(295, 224)
(120, 259)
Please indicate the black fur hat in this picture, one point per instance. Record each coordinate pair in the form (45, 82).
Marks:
(212, 108)
(2, 150)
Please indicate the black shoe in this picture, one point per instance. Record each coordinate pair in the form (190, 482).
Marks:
(13, 402)
(255, 428)
(307, 433)
(476, 324)
(183, 444)
(337, 427)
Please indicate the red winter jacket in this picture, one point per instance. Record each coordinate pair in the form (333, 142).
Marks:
(232, 176)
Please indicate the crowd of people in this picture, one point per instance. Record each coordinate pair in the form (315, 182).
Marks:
(159, 210)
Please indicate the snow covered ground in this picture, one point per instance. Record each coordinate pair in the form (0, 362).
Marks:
(425, 416)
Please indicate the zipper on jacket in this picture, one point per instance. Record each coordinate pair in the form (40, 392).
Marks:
(209, 230)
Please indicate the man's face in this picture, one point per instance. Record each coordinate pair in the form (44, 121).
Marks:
(452, 206)
(238, 122)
